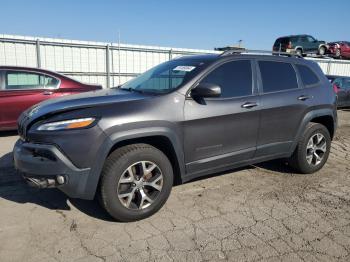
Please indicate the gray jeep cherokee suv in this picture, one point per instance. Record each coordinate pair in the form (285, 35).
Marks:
(182, 119)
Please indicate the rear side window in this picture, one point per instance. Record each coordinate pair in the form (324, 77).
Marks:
(277, 76)
(308, 77)
(282, 41)
(234, 78)
(27, 80)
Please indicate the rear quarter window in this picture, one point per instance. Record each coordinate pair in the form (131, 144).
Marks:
(283, 41)
(308, 77)
(277, 76)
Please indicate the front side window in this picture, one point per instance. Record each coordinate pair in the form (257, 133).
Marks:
(26, 80)
(234, 78)
(311, 39)
(308, 77)
(277, 76)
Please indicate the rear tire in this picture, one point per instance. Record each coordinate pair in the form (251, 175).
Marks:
(312, 150)
(299, 52)
(322, 50)
(128, 182)
(338, 53)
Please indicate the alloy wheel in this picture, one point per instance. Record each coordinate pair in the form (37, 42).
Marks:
(140, 185)
(316, 149)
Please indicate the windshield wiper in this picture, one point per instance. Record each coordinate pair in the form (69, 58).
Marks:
(130, 89)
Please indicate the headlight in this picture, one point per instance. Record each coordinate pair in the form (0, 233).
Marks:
(67, 124)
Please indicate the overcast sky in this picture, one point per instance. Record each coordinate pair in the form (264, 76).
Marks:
(190, 24)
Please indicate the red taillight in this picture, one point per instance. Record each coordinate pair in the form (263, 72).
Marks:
(289, 46)
(335, 88)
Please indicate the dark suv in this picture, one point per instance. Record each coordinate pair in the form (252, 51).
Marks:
(182, 119)
(300, 44)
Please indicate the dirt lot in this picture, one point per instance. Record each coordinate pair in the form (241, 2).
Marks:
(262, 212)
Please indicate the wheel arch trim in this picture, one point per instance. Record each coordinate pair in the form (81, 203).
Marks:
(325, 112)
(118, 137)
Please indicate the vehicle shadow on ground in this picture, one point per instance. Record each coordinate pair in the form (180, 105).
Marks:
(14, 188)
(8, 133)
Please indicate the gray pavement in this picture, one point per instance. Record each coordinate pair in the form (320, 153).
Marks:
(258, 213)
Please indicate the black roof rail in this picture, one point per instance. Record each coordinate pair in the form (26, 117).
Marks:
(261, 52)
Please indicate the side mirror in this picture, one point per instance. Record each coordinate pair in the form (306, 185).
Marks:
(206, 90)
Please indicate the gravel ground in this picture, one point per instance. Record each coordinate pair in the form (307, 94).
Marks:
(258, 213)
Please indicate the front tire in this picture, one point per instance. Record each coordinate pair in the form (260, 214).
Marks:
(136, 182)
(312, 150)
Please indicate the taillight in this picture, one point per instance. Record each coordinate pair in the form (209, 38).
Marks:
(335, 88)
(289, 45)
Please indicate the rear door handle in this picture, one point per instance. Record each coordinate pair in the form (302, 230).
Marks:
(304, 98)
(249, 105)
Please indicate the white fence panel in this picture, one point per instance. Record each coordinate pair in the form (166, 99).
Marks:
(87, 61)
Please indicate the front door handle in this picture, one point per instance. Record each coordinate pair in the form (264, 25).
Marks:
(47, 93)
(249, 105)
(304, 98)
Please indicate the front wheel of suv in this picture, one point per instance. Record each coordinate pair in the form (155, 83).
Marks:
(135, 183)
(312, 150)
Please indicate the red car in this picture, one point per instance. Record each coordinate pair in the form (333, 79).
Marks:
(21, 88)
(339, 49)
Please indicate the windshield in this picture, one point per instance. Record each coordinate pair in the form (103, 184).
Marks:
(165, 77)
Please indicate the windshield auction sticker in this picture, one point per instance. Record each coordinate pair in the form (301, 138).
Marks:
(184, 68)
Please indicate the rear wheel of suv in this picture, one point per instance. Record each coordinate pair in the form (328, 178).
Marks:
(299, 52)
(338, 53)
(312, 150)
(136, 182)
(322, 50)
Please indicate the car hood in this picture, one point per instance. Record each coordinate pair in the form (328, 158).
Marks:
(82, 100)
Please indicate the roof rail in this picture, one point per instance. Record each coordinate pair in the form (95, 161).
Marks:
(261, 52)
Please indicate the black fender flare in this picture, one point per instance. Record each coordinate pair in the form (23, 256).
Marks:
(113, 139)
(308, 118)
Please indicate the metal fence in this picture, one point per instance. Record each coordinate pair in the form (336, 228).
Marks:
(107, 64)
(333, 67)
